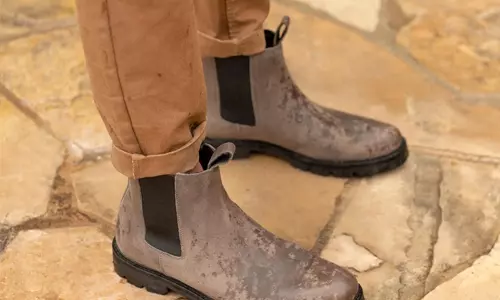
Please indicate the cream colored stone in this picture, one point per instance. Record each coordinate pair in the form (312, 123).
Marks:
(20, 18)
(375, 213)
(35, 10)
(344, 251)
(29, 159)
(477, 282)
(340, 69)
(99, 189)
(48, 71)
(470, 203)
(292, 204)
(458, 40)
(363, 14)
(382, 283)
(426, 222)
(64, 264)
(416, 7)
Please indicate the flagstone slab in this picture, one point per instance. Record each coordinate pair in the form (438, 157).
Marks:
(480, 281)
(48, 72)
(70, 263)
(29, 159)
(426, 223)
(457, 40)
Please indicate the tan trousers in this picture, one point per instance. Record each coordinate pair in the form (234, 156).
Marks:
(144, 62)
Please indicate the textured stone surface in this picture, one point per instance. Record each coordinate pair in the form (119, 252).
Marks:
(477, 282)
(50, 75)
(470, 223)
(375, 212)
(382, 283)
(418, 7)
(29, 159)
(343, 250)
(47, 9)
(426, 222)
(458, 40)
(339, 68)
(63, 264)
(362, 14)
(99, 189)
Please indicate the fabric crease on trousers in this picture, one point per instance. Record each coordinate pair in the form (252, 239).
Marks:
(144, 63)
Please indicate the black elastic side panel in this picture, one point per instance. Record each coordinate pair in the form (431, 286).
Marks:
(160, 213)
(235, 90)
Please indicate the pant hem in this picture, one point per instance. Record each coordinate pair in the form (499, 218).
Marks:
(140, 166)
(211, 47)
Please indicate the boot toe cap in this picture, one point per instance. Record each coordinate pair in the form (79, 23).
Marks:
(385, 139)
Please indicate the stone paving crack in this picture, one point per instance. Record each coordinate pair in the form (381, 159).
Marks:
(18, 20)
(24, 107)
(6, 236)
(62, 193)
(462, 156)
(454, 271)
(326, 233)
(484, 99)
(424, 221)
(435, 234)
(61, 211)
(95, 155)
(394, 16)
(368, 250)
(40, 28)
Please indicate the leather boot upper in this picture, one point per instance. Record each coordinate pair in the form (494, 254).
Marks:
(224, 253)
(282, 115)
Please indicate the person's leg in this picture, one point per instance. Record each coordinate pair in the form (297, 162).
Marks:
(231, 27)
(254, 102)
(178, 231)
(144, 64)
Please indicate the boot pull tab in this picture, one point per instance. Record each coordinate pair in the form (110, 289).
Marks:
(222, 155)
(282, 30)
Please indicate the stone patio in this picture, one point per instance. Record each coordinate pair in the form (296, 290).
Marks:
(426, 231)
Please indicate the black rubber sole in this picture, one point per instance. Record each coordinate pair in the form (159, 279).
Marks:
(348, 169)
(158, 283)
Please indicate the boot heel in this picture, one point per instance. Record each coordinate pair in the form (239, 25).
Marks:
(136, 275)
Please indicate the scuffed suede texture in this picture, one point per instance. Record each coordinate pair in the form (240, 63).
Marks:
(287, 118)
(226, 254)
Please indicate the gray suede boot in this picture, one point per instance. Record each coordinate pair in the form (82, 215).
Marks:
(254, 103)
(182, 233)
